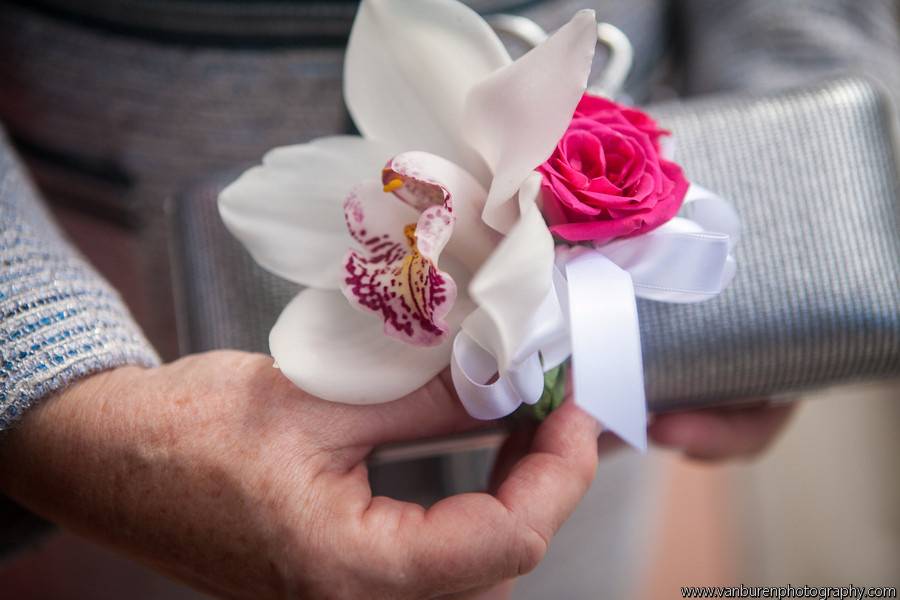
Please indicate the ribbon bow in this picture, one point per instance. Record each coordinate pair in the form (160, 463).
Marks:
(591, 315)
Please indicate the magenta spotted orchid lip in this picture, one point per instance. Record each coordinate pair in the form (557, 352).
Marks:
(402, 225)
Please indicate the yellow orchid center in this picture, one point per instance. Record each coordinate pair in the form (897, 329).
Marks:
(393, 185)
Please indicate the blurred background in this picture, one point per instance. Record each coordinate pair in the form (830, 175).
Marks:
(119, 106)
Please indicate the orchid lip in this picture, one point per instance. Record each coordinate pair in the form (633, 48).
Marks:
(395, 272)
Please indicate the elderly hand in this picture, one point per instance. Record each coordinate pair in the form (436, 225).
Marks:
(218, 471)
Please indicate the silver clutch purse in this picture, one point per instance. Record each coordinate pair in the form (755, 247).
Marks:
(816, 300)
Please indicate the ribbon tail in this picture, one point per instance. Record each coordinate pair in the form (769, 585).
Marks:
(607, 368)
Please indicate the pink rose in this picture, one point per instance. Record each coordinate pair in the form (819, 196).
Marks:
(606, 179)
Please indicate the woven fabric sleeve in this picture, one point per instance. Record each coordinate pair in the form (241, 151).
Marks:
(59, 320)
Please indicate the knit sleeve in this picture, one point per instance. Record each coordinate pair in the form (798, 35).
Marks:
(59, 320)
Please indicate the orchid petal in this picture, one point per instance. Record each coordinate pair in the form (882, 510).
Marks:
(335, 352)
(396, 274)
(517, 115)
(423, 180)
(288, 212)
(515, 284)
(408, 68)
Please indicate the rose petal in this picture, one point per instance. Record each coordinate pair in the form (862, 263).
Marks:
(598, 232)
(569, 200)
(335, 352)
(516, 116)
(408, 69)
(602, 185)
(583, 158)
(599, 108)
(288, 212)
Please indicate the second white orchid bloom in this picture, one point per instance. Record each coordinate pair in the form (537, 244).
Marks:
(422, 225)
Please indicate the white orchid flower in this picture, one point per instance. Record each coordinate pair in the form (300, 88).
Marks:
(405, 233)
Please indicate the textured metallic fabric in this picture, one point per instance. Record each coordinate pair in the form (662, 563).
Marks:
(59, 321)
(816, 299)
(769, 44)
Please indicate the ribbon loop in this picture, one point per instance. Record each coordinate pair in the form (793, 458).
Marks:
(472, 368)
(695, 275)
(712, 213)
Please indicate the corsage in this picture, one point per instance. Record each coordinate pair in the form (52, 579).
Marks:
(493, 216)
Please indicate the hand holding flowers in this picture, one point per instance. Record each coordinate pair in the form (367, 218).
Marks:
(218, 471)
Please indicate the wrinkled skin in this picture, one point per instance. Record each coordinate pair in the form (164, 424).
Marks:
(218, 471)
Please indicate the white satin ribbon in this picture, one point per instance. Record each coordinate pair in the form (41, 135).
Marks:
(607, 370)
(474, 370)
(591, 314)
(470, 364)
